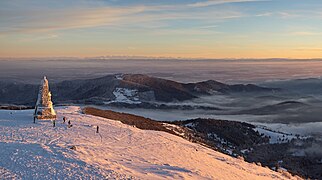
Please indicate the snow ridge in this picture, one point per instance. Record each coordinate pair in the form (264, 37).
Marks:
(118, 151)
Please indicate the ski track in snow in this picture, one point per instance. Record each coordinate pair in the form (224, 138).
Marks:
(119, 151)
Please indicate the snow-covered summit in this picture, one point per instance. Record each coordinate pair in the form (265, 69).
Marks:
(118, 151)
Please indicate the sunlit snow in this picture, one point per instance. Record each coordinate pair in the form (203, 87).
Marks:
(118, 151)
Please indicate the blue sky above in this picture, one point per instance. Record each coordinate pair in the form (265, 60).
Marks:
(175, 28)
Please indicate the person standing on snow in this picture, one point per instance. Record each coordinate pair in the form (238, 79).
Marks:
(69, 124)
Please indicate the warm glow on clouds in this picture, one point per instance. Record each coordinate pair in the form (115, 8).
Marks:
(196, 29)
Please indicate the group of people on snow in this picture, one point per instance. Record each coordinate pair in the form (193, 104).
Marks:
(69, 123)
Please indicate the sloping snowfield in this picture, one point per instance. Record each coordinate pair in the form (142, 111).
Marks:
(118, 151)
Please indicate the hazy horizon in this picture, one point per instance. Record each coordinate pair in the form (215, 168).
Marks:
(229, 71)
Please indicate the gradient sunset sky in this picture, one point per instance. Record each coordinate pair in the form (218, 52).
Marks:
(161, 28)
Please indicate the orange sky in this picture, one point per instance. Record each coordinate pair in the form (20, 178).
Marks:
(189, 29)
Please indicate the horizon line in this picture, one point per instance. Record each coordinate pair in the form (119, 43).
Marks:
(117, 57)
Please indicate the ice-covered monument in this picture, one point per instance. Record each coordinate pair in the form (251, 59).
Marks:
(44, 106)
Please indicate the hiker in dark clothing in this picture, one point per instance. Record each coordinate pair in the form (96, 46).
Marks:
(69, 124)
(64, 119)
(97, 128)
(34, 119)
(54, 123)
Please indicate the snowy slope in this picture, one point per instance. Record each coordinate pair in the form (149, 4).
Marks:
(275, 137)
(39, 151)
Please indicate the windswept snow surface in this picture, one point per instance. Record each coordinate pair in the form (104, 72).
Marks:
(119, 151)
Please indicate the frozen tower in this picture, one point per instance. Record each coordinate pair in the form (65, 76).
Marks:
(44, 107)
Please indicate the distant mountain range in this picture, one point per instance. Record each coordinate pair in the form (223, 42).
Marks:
(299, 86)
(285, 106)
(121, 88)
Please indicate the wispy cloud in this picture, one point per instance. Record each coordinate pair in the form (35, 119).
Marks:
(284, 15)
(309, 49)
(217, 2)
(265, 14)
(44, 20)
(288, 14)
(192, 32)
(305, 33)
(39, 37)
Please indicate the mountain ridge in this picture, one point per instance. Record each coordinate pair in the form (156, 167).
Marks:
(128, 88)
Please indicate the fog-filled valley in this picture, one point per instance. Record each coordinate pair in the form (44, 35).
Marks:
(295, 114)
